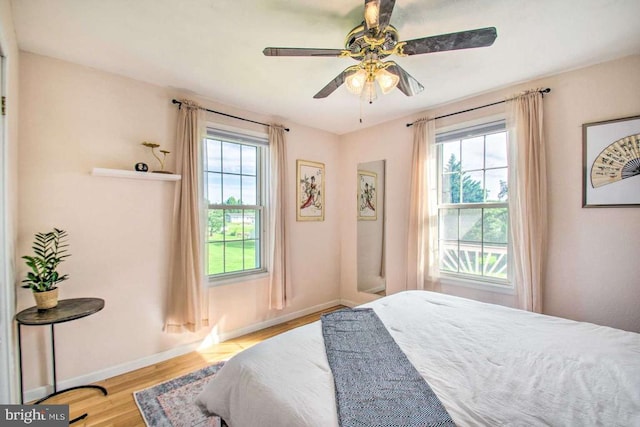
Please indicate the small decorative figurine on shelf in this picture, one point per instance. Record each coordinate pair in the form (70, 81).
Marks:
(153, 147)
(141, 167)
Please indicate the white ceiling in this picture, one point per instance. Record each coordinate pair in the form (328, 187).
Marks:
(213, 48)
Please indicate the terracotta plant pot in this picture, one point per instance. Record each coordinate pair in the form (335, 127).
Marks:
(46, 300)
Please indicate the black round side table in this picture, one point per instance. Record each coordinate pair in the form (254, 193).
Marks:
(66, 311)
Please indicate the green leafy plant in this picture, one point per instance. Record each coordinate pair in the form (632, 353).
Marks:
(50, 250)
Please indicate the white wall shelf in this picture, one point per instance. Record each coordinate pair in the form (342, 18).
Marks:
(121, 173)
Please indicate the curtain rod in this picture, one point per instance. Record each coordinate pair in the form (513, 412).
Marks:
(175, 101)
(542, 91)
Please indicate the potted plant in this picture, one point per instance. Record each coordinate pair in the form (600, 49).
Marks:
(50, 249)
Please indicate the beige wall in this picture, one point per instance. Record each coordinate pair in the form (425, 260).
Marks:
(76, 118)
(390, 142)
(592, 272)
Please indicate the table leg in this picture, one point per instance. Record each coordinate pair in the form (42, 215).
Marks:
(20, 364)
(55, 385)
(53, 358)
(83, 416)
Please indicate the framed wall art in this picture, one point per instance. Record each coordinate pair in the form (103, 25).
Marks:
(611, 163)
(367, 195)
(310, 191)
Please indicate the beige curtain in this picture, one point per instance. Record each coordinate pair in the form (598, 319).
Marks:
(279, 288)
(527, 197)
(187, 303)
(422, 251)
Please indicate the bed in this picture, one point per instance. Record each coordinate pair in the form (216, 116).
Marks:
(489, 365)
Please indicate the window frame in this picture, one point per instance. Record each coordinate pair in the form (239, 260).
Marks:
(463, 131)
(261, 142)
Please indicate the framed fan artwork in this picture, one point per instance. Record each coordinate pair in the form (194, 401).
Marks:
(367, 195)
(611, 163)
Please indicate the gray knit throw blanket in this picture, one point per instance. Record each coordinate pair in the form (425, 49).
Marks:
(376, 385)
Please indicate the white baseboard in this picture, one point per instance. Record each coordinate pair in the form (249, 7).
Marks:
(349, 303)
(40, 392)
(373, 290)
(277, 320)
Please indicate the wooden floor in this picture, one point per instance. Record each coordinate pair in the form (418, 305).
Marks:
(118, 409)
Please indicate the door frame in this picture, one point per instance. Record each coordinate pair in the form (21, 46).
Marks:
(7, 297)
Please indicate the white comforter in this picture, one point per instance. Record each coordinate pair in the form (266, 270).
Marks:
(489, 365)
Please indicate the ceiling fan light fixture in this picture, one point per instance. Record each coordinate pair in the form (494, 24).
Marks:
(369, 92)
(386, 80)
(355, 82)
(372, 41)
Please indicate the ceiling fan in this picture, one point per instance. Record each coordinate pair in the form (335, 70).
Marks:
(374, 40)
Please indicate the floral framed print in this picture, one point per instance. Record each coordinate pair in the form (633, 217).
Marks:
(611, 163)
(310, 191)
(367, 195)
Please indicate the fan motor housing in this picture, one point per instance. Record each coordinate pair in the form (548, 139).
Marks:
(359, 47)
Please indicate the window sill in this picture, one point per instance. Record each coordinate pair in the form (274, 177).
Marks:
(121, 173)
(506, 289)
(243, 278)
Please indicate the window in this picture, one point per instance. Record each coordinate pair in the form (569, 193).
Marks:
(473, 212)
(234, 194)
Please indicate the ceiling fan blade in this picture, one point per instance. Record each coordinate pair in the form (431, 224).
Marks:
(377, 13)
(334, 84)
(386, 9)
(407, 84)
(296, 51)
(463, 40)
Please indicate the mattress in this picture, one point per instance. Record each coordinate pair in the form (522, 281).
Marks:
(489, 365)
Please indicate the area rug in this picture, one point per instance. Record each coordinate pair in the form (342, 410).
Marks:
(172, 404)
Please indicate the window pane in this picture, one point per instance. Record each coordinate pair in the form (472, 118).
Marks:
(233, 229)
(495, 261)
(250, 258)
(496, 222)
(249, 160)
(230, 157)
(216, 258)
(256, 234)
(472, 187)
(214, 188)
(451, 156)
(250, 224)
(214, 155)
(449, 256)
(231, 191)
(473, 153)
(233, 256)
(496, 150)
(495, 181)
(471, 225)
(470, 258)
(449, 224)
(450, 188)
(215, 224)
(249, 190)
